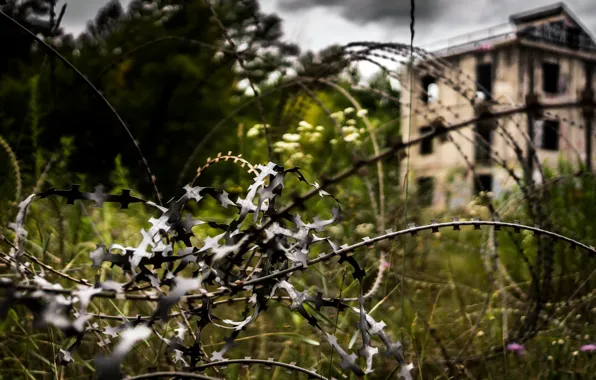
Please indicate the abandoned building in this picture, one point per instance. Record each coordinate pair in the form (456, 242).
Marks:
(543, 55)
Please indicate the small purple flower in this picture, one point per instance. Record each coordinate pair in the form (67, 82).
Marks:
(519, 349)
(588, 348)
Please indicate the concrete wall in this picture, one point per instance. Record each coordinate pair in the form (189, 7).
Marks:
(456, 83)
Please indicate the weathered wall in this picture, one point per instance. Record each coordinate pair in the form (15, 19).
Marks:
(453, 180)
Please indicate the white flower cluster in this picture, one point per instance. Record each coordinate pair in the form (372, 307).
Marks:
(291, 137)
(338, 116)
(289, 144)
(309, 133)
(351, 134)
(255, 131)
(284, 146)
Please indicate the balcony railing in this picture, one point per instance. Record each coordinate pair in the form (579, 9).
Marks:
(486, 38)
(473, 40)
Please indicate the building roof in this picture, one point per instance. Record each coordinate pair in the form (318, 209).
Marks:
(536, 14)
(511, 31)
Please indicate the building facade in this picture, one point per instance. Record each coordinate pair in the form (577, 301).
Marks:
(545, 55)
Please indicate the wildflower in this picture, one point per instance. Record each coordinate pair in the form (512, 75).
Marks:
(76, 53)
(480, 334)
(253, 132)
(586, 337)
(320, 128)
(386, 265)
(315, 136)
(575, 353)
(117, 51)
(291, 137)
(588, 348)
(550, 358)
(338, 116)
(352, 137)
(304, 126)
(349, 129)
(561, 341)
(362, 113)
(351, 122)
(333, 141)
(349, 110)
(519, 349)
(282, 146)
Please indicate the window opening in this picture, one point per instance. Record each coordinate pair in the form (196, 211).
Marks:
(483, 144)
(484, 81)
(426, 189)
(550, 135)
(426, 146)
(484, 182)
(430, 89)
(550, 77)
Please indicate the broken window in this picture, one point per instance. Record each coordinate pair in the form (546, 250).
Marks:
(430, 89)
(550, 135)
(550, 77)
(426, 146)
(484, 81)
(426, 190)
(484, 182)
(483, 143)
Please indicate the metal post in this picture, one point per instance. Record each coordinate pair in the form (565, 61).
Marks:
(530, 99)
(588, 111)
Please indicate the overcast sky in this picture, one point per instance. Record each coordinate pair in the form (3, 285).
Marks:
(315, 24)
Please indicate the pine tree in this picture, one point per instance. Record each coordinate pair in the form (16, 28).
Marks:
(38, 16)
(170, 91)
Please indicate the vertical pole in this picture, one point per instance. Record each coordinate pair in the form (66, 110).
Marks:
(530, 99)
(588, 98)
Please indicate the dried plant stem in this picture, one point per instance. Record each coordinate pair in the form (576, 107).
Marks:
(12, 157)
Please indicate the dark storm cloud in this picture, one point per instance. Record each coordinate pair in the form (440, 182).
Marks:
(365, 11)
(441, 14)
(78, 12)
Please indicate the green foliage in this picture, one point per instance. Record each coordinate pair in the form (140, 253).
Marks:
(170, 78)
